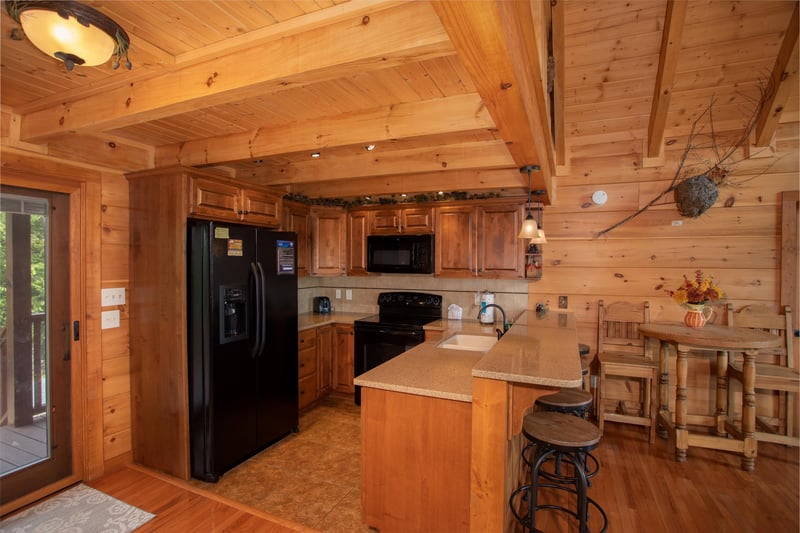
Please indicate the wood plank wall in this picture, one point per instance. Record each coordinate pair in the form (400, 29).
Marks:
(737, 240)
(114, 210)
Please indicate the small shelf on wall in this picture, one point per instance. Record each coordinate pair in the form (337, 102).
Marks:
(533, 263)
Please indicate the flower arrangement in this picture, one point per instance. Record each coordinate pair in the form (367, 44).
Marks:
(699, 290)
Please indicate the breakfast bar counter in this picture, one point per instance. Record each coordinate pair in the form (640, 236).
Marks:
(441, 428)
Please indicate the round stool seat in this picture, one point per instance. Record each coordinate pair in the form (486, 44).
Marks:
(583, 349)
(557, 438)
(559, 432)
(575, 401)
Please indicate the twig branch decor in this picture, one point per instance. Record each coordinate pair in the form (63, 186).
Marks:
(695, 194)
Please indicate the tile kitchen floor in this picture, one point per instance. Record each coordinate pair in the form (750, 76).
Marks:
(311, 477)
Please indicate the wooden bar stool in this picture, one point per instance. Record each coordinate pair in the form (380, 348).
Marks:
(577, 402)
(573, 401)
(570, 439)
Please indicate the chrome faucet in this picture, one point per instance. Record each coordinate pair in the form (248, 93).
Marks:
(499, 332)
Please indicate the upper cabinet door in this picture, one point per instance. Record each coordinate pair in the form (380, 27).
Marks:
(261, 207)
(357, 228)
(456, 241)
(385, 221)
(501, 253)
(327, 241)
(417, 220)
(214, 199)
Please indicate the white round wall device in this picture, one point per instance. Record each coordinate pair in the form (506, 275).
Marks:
(599, 197)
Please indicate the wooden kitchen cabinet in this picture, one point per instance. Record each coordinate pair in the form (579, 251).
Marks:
(480, 241)
(343, 359)
(328, 227)
(357, 230)
(324, 360)
(297, 217)
(161, 200)
(394, 221)
(307, 391)
(501, 254)
(220, 198)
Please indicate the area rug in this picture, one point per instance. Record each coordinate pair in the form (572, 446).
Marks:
(79, 509)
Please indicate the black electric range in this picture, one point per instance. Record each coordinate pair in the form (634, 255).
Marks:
(397, 327)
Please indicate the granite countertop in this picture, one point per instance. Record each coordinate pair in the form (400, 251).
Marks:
(313, 320)
(534, 350)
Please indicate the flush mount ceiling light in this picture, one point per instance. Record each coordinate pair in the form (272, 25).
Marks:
(72, 32)
(315, 155)
(369, 147)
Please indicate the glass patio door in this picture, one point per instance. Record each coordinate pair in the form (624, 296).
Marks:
(35, 443)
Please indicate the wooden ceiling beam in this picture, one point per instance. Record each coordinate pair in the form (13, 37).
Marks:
(783, 81)
(426, 182)
(444, 115)
(389, 37)
(559, 83)
(496, 42)
(481, 154)
(665, 77)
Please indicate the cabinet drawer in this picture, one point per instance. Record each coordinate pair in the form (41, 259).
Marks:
(306, 339)
(306, 362)
(306, 391)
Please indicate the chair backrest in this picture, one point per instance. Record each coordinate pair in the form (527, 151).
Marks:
(763, 318)
(618, 328)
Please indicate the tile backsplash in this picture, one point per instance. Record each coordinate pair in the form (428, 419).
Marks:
(511, 295)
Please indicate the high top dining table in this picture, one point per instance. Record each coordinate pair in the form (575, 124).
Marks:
(719, 339)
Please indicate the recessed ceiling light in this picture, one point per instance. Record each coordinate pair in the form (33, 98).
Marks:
(369, 147)
(315, 155)
(441, 193)
(404, 195)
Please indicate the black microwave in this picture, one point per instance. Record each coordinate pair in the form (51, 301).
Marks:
(400, 254)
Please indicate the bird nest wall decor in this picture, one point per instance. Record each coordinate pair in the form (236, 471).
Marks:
(694, 190)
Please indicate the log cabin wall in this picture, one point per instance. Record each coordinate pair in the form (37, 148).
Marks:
(737, 240)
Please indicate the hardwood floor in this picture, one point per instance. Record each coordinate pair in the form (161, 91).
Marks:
(310, 482)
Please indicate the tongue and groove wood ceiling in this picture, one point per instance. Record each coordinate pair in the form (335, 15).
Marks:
(454, 95)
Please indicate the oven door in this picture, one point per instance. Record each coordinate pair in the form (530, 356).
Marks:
(375, 344)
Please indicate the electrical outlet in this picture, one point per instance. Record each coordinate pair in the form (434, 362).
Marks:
(109, 319)
(338, 294)
(348, 294)
(109, 297)
(562, 302)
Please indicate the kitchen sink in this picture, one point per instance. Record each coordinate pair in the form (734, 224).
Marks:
(474, 343)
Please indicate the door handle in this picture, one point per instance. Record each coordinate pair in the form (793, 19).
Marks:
(263, 307)
(257, 291)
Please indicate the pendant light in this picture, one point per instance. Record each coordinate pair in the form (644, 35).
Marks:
(539, 238)
(529, 228)
(72, 32)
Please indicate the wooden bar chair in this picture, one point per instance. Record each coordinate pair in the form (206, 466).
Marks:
(623, 352)
(777, 376)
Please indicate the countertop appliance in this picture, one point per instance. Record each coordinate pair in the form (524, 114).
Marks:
(322, 304)
(397, 327)
(242, 310)
(400, 254)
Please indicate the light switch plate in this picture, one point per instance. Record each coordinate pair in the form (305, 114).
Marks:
(109, 319)
(348, 294)
(109, 297)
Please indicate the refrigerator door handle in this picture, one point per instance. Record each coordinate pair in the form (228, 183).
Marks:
(262, 304)
(257, 280)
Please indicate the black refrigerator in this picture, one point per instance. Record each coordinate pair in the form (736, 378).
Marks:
(242, 339)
